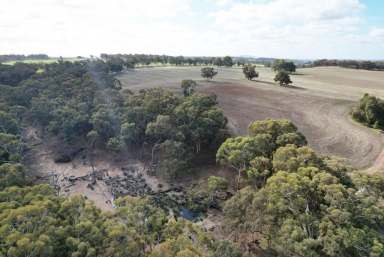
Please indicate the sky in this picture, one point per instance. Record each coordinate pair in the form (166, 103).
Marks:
(296, 29)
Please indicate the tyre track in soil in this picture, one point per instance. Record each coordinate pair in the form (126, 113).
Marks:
(324, 121)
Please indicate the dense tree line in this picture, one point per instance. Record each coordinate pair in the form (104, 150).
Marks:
(75, 100)
(352, 64)
(81, 104)
(22, 57)
(297, 203)
(176, 129)
(130, 60)
(370, 111)
(14, 74)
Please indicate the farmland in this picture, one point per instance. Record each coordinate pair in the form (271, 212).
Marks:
(133, 146)
(319, 104)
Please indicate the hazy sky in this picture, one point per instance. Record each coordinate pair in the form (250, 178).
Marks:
(268, 28)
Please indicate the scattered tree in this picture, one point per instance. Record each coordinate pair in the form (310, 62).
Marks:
(116, 64)
(250, 71)
(188, 87)
(282, 65)
(283, 78)
(227, 61)
(208, 72)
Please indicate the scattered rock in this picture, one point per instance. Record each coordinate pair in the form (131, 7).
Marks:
(72, 178)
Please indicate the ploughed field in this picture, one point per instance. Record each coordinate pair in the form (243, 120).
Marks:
(319, 104)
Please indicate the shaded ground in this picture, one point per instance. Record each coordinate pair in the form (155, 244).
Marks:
(319, 104)
(112, 175)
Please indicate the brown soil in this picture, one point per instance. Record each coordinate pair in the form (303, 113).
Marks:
(324, 121)
(73, 178)
(319, 104)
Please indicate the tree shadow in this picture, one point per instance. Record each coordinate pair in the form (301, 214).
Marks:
(264, 82)
(296, 87)
(275, 84)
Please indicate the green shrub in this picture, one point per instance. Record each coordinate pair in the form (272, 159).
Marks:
(370, 111)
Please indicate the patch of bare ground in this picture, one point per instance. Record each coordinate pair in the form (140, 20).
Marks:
(110, 177)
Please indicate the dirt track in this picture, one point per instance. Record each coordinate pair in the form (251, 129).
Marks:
(319, 105)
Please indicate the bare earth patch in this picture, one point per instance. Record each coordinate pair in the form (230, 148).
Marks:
(110, 177)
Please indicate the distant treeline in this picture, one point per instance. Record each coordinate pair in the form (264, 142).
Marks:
(22, 57)
(147, 59)
(352, 64)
